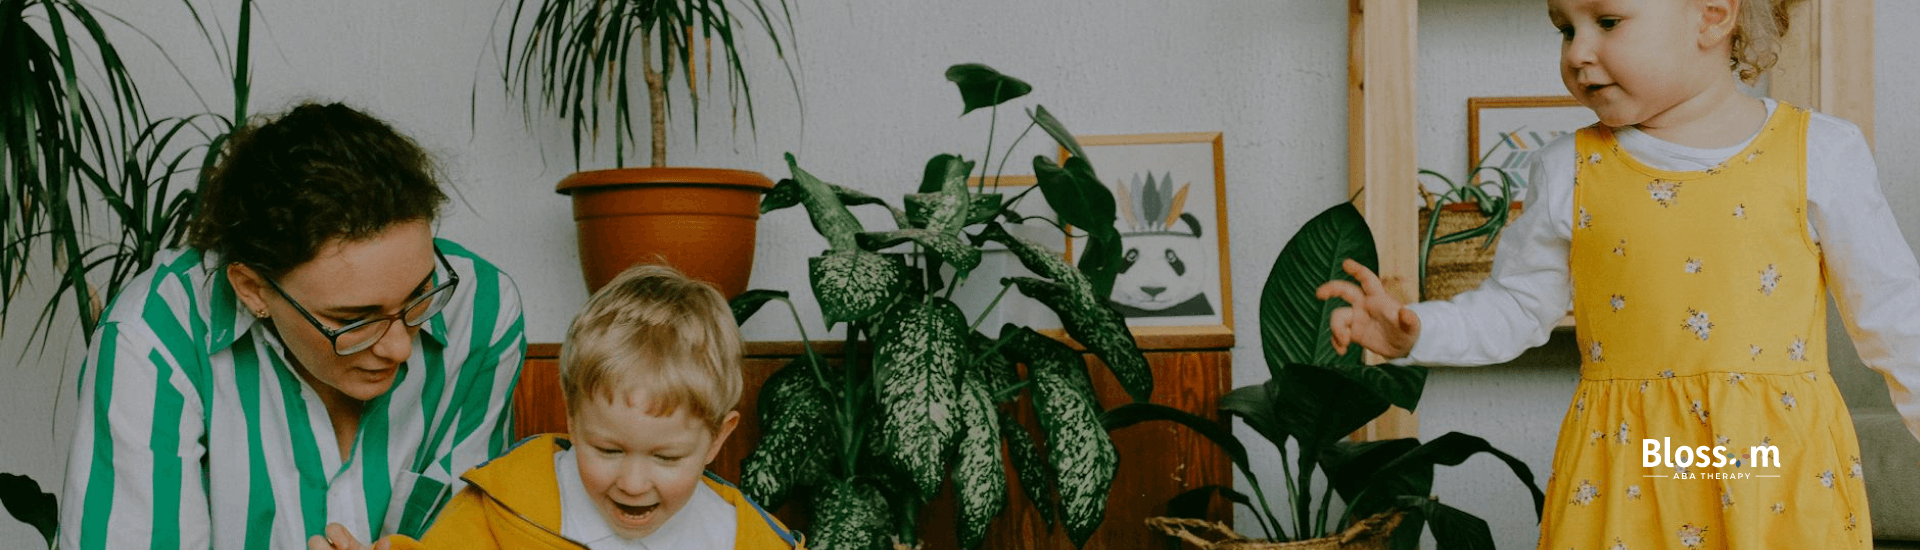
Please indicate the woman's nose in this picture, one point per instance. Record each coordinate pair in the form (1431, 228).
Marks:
(396, 344)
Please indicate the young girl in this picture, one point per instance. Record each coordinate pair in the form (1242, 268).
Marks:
(1695, 231)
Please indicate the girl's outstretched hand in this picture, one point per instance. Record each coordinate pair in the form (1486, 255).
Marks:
(1377, 321)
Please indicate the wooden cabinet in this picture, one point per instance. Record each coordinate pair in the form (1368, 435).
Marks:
(1157, 460)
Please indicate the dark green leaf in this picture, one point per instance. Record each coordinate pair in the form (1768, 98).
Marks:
(1294, 325)
(1029, 466)
(981, 86)
(799, 443)
(1075, 192)
(1352, 465)
(945, 174)
(27, 503)
(853, 285)
(829, 214)
(1101, 259)
(948, 247)
(1000, 372)
(1250, 403)
(750, 302)
(1134, 413)
(917, 356)
(979, 473)
(788, 193)
(785, 194)
(851, 516)
(1318, 406)
(1058, 131)
(1097, 326)
(1412, 473)
(1082, 456)
(1453, 528)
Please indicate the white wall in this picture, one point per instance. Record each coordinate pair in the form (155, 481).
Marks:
(1270, 75)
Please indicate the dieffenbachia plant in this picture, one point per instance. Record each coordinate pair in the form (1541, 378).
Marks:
(922, 396)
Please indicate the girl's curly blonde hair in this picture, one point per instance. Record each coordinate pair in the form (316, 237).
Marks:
(1756, 36)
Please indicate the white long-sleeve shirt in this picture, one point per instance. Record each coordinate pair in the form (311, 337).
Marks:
(1870, 269)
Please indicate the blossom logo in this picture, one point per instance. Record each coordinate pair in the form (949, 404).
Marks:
(1662, 453)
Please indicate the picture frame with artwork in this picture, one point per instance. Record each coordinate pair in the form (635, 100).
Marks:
(1505, 132)
(1171, 195)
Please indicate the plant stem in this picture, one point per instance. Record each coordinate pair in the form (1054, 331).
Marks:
(850, 456)
(1010, 391)
(1004, 287)
(1286, 468)
(909, 516)
(1303, 501)
(992, 123)
(1003, 158)
(1326, 499)
(656, 100)
(806, 345)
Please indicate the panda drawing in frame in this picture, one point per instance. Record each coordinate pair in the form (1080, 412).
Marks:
(1167, 268)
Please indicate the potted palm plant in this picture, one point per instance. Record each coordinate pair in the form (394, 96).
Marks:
(576, 56)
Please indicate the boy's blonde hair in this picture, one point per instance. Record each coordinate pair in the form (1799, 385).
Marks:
(655, 330)
(1756, 36)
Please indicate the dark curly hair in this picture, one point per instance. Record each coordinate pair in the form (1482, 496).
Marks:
(291, 183)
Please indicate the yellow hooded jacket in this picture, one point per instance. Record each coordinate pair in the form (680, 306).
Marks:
(514, 502)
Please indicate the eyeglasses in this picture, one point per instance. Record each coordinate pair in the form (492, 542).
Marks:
(359, 335)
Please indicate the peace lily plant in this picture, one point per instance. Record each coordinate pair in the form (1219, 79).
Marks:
(922, 396)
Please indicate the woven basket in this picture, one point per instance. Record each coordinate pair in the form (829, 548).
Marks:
(1460, 266)
(1368, 534)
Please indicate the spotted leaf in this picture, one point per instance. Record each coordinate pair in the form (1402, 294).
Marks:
(1029, 466)
(851, 516)
(854, 285)
(979, 474)
(830, 215)
(1079, 453)
(948, 247)
(787, 194)
(799, 443)
(1099, 328)
(917, 355)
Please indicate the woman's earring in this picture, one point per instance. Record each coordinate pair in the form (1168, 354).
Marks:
(260, 314)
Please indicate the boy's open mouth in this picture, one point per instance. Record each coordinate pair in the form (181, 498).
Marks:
(635, 514)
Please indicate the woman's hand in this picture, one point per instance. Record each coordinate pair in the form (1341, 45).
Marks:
(1377, 321)
(338, 538)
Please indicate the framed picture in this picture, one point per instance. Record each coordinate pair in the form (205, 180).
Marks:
(1504, 132)
(1171, 195)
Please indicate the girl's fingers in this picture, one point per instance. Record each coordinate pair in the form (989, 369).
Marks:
(1368, 281)
(1343, 289)
(1341, 323)
(318, 542)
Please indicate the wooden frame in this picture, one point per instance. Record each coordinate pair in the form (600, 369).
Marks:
(1826, 63)
(1170, 153)
(1552, 112)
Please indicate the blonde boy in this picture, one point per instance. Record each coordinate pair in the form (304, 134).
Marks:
(651, 373)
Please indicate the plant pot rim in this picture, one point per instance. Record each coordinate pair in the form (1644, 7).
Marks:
(664, 176)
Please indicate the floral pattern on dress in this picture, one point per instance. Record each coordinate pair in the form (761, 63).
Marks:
(1698, 323)
(1779, 508)
(1620, 249)
(1755, 350)
(1797, 351)
(1586, 493)
(1593, 351)
(1664, 374)
(1596, 437)
(1618, 302)
(1692, 537)
(1856, 472)
(1735, 378)
(1826, 478)
(1769, 279)
(1699, 411)
(1740, 212)
(1586, 220)
(1624, 434)
(1664, 192)
(1692, 266)
(1633, 492)
(1618, 545)
(1786, 398)
(1726, 499)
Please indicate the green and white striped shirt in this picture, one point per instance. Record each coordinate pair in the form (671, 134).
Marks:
(194, 431)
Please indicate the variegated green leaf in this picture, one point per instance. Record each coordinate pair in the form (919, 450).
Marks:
(946, 176)
(830, 215)
(947, 246)
(1029, 466)
(986, 206)
(999, 372)
(1082, 457)
(787, 194)
(916, 358)
(979, 474)
(852, 285)
(799, 443)
(942, 212)
(851, 516)
(1035, 257)
(1099, 328)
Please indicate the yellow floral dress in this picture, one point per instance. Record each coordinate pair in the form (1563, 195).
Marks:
(1701, 308)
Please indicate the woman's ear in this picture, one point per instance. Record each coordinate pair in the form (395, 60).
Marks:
(250, 287)
(1718, 20)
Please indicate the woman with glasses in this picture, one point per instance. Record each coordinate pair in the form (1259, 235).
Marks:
(316, 357)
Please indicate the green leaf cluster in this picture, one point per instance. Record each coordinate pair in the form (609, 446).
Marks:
(1317, 397)
(77, 142)
(922, 400)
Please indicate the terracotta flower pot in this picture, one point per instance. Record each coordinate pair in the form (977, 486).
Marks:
(699, 220)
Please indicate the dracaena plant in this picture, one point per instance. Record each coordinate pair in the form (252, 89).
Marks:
(1317, 397)
(922, 396)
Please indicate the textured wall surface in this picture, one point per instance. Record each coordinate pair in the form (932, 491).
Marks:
(1270, 75)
